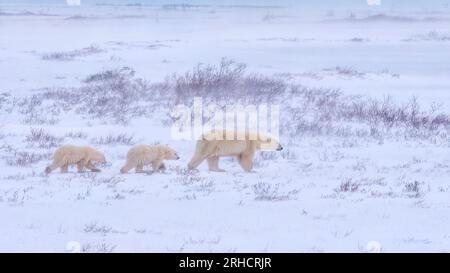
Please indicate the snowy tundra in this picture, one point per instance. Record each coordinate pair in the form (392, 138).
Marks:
(364, 96)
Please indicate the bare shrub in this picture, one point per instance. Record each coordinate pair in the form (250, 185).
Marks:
(268, 192)
(182, 7)
(15, 177)
(94, 227)
(116, 75)
(264, 155)
(430, 36)
(387, 72)
(264, 158)
(43, 139)
(259, 86)
(15, 196)
(189, 179)
(346, 72)
(118, 96)
(208, 78)
(349, 72)
(38, 110)
(25, 159)
(288, 154)
(110, 182)
(112, 95)
(183, 171)
(190, 197)
(70, 55)
(225, 81)
(206, 185)
(120, 139)
(328, 112)
(348, 186)
(202, 185)
(80, 135)
(97, 248)
(413, 189)
(4, 100)
(359, 40)
(84, 194)
(116, 196)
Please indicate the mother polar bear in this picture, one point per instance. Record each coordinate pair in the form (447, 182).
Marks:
(243, 145)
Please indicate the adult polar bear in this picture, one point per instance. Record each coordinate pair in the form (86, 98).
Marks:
(243, 145)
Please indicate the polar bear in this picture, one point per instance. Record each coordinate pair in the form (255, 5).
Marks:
(81, 156)
(142, 155)
(215, 144)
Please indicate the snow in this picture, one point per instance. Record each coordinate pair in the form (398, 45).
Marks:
(323, 193)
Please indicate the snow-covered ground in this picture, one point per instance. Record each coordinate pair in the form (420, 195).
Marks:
(364, 96)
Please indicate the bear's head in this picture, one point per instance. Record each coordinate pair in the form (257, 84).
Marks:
(268, 143)
(169, 153)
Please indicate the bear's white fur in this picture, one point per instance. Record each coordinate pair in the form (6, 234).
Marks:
(142, 155)
(243, 145)
(75, 155)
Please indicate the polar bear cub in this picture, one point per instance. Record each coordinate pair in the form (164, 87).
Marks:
(83, 157)
(142, 155)
(243, 145)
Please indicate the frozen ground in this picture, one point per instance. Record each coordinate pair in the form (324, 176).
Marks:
(364, 96)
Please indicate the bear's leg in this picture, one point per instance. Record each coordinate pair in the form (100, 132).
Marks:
(195, 161)
(213, 164)
(156, 165)
(65, 168)
(140, 168)
(91, 167)
(202, 151)
(246, 161)
(128, 166)
(80, 166)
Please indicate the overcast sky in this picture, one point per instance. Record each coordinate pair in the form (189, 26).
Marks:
(400, 4)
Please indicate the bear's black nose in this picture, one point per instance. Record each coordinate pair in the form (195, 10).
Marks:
(280, 148)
